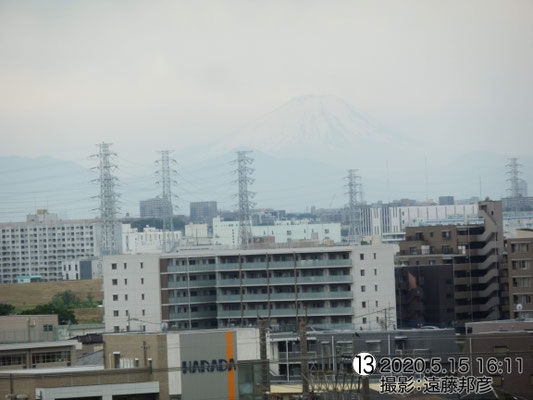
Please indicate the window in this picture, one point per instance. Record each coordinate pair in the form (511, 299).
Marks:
(114, 266)
(115, 313)
(364, 320)
(126, 297)
(142, 296)
(363, 288)
(361, 256)
(127, 313)
(142, 281)
(114, 282)
(116, 328)
(375, 288)
(446, 234)
(48, 328)
(125, 266)
(50, 357)
(115, 297)
(375, 271)
(125, 281)
(521, 264)
(143, 312)
(374, 256)
(412, 250)
(377, 303)
(142, 265)
(362, 272)
(363, 304)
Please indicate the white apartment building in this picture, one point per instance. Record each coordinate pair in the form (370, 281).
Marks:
(227, 232)
(385, 220)
(38, 246)
(335, 286)
(150, 240)
(73, 270)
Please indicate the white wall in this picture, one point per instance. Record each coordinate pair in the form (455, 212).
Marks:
(378, 266)
(132, 281)
(150, 240)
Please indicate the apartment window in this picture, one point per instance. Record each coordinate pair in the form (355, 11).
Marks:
(432, 262)
(142, 281)
(364, 320)
(142, 265)
(126, 297)
(363, 288)
(127, 313)
(125, 266)
(115, 313)
(125, 281)
(361, 256)
(115, 297)
(48, 328)
(363, 304)
(114, 266)
(412, 251)
(375, 271)
(374, 256)
(362, 272)
(521, 282)
(446, 234)
(114, 282)
(521, 264)
(377, 303)
(143, 312)
(142, 296)
(375, 288)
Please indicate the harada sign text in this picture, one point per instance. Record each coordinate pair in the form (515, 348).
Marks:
(208, 366)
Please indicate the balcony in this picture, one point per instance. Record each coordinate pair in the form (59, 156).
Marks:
(193, 299)
(191, 284)
(285, 296)
(286, 312)
(193, 315)
(289, 280)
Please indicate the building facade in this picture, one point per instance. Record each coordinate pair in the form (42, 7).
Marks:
(155, 208)
(340, 286)
(40, 245)
(203, 212)
(450, 274)
(227, 232)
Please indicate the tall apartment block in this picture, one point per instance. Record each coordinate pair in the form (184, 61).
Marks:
(39, 246)
(450, 274)
(154, 208)
(203, 211)
(334, 287)
(517, 279)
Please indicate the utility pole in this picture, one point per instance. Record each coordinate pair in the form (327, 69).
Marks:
(108, 199)
(166, 174)
(303, 356)
(354, 195)
(244, 178)
(265, 384)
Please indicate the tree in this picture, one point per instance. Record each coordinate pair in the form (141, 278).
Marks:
(64, 315)
(66, 299)
(6, 309)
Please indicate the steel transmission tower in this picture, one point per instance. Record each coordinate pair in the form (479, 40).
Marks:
(166, 181)
(244, 178)
(513, 171)
(108, 199)
(354, 196)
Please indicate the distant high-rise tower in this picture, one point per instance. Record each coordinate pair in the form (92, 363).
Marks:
(108, 200)
(203, 211)
(354, 196)
(165, 180)
(244, 178)
(515, 183)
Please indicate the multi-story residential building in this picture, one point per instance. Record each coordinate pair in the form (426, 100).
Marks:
(203, 211)
(333, 286)
(517, 279)
(449, 274)
(227, 232)
(38, 246)
(81, 269)
(155, 208)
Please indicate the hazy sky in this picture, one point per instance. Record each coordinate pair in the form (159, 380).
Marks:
(147, 75)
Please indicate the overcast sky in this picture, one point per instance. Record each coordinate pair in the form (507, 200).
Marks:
(147, 75)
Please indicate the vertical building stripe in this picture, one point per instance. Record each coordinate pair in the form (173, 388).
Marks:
(231, 372)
